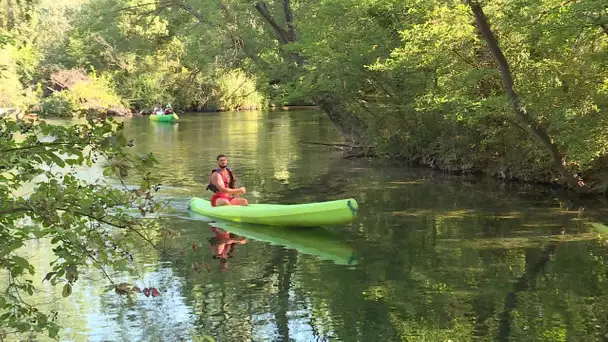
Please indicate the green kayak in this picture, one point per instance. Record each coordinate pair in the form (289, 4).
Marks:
(294, 215)
(315, 241)
(164, 118)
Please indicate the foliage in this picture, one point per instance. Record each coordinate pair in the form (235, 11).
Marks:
(426, 86)
(236, 91)
(59, 104)
(416, 76)
(42, 197)
(83, 94)
(467, 91)
(149, 59)
(11, 92)
(18, 56)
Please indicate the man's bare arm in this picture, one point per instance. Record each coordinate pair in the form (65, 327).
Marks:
(217, 180)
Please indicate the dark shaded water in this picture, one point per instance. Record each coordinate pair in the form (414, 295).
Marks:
(438, 258)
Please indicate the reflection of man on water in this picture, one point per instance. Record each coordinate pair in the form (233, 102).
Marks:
(222, 245)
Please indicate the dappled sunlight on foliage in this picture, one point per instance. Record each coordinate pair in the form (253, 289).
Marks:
(513, 89)
(86, 224)
(408, 79)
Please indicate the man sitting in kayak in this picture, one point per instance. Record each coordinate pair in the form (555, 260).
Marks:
(221, 182)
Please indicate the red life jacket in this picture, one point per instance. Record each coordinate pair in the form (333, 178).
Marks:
(228, 182)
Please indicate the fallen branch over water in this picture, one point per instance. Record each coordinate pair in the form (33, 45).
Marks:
(350, 151)
(329, 144)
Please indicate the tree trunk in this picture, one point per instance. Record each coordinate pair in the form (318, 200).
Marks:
(350, 126)
(279, 32)
(604, 28)
(525, 119)
(347, 123)
(291, 30)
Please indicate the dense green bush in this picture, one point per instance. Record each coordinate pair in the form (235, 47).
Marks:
(59, 104)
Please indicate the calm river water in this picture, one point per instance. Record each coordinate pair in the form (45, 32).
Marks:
(431, 257)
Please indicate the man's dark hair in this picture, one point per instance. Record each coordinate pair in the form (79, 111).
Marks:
(220, 156)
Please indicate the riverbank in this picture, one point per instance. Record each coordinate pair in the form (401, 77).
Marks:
(596, 179)
(595, 182)
(149, 111)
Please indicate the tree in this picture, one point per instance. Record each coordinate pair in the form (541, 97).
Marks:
(84, 223)
(524, 119)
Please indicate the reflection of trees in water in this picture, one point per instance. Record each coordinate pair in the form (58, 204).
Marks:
(414, 281)
(435, 275)
(440, 258)
(262, 147)
(285, 266)
(522, 284)
(439, 252)
(228, 309)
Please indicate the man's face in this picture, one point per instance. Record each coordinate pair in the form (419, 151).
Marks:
(222, 162)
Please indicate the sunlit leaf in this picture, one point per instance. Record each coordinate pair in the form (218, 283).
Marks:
(56, 159)
(49, 276)
(53, 331)
(67, 290)
(22, 263)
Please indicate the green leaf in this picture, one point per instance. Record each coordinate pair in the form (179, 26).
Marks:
(22, 326)
(121, 265)
(42, 318)
(39, 233)
(13, 246)
(204, 338)
(67, 290)
(2, 303)
(600, 227)
(53, 331)
(49, 276)
(20, 262)
(55, 158)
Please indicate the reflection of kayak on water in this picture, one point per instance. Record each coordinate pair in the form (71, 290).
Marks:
(314, 241)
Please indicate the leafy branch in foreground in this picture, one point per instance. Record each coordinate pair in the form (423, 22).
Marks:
(42, 196)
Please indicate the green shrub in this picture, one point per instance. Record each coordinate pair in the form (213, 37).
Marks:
(60, 104)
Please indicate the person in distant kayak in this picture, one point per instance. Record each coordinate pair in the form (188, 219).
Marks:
(158, 109)
(221, 182)
(169, 109)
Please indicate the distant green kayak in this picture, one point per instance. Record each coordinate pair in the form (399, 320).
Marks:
(313, 241)
(164, 118)
(294, 215)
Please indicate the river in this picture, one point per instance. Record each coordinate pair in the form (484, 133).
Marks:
(431, 257)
